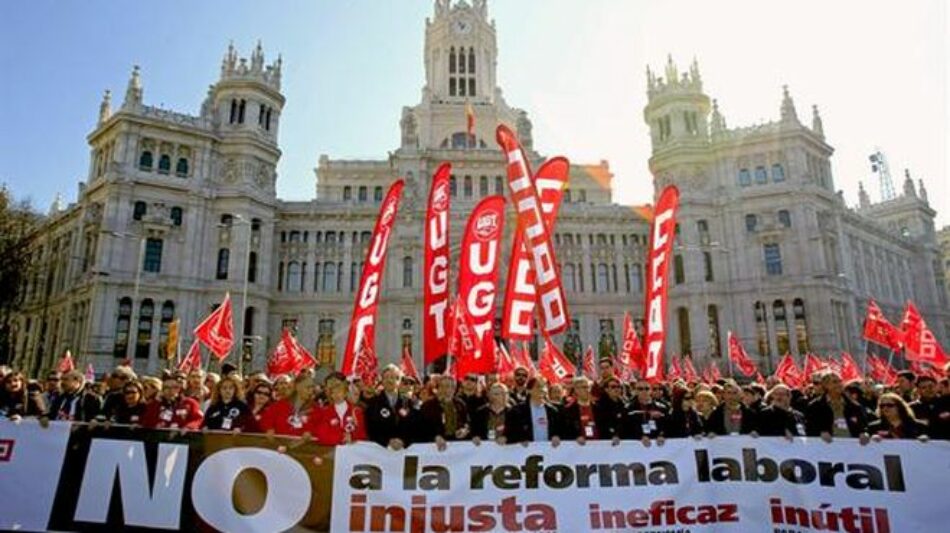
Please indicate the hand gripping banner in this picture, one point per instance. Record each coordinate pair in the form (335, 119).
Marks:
(363, 321)
(478, 273)
(520, 294)
(661, 244)
(436, 273)
(554, 314)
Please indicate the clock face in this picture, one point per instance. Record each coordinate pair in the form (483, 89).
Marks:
(462, 26)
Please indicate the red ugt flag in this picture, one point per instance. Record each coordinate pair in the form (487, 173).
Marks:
(788, 372)
(919, 341)
(661, 248)
(590, 369)
(408, 366)
(192, 360)
(217, 331)
(849, 369)
(554, 366)
(879, 330)
(739, 356)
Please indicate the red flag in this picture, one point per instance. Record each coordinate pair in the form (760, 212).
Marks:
(366, 363)
(689, 371)
(881, 371)
(739, 356)
(675, 371)
(90, 372)
(478, 276)
(408, 366)
(788, 372)
(464, 347)
(217, 331)
(849, 369)
(523, 358)
(924, 369)
(506, 363)
(66, 363)
(711, 374)
(879, 330)
(192, 360)
(281, 360)
(590, 368)
(303, 359)
(813, 365)
(919, 342)
(520, 294)
(363, 321)
(661, 246)
(550, 293)
(631, 352)
(553, 365)
(436, 268)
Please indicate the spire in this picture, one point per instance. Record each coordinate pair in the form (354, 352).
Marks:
(133, 93)
(863, 199)
(922, 191)
(816, 125)
(697, 80)
(788, 107)
(257, 58)
(909, 184)
(105, 108)
(717, 122)
(671, 74)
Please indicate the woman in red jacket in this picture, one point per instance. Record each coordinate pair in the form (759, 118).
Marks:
(172, 409)
(340, 421)
(297, 414)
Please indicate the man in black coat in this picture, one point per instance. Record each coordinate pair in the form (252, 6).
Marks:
(932, 408)
(610, 411)
(391, 417)
(778, 419)
(76, 403)
(731, 417)
(535, 420)
(833, 414)
(647, 415)
(444, 417)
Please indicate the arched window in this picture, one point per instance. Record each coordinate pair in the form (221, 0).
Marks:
(181, 167)
(483, 186)
(682, 319)
(354, 276)
(377, 194)
(708, 266)
(168, 315)
(452, 62)
(267, 119)
(241, 109)
(164, 164)
(347, 193)
(801, 326)
(636, 277)
(499, 185)
(751, 223)
(363, 193)
(293, 276)
(407, 272)
(145, 160)
(252, 267)
(781, 326)
(453, 187)
(249, 321)
(761, 177)
(778, 173)
(329, 277)
(233, 111)
(715, 344)
(176, 216)
(121, 345)
(785, 218)
(745, 177)
(467, 187)
(603, 278)
(138, 210)
(143, 340)
(762, 330)
(224, 257)
(294, 236)
(679, 269)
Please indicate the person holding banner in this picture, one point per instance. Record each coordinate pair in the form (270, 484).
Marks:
(684, 420)
(296, 413)
(172, 409)
(390, 415)
(578, 412)
(833, 414)
(444, 417)
(778, 418)
(647, 415)
(488, 422)
(16, 400)
(536, 420)
(76, 403)
(731, 417)
(340, 421)
(610, 411)
(132, 409)
(895, 420)
(227, 410)
(932, 408)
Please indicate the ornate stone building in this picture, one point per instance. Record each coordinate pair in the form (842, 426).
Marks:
(177, 209)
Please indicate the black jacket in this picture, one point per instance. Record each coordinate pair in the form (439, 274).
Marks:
(229, 416)
(433, 422)
(519, 426)
(480, 422)
(910, 429)
(385, 422)
(26, 403)
(682, 424)
(124, 414)
(80, 406)
(611, 418)
(936, 413)
(820, 418)
(649, 420)
(716, 423)
(775, 422)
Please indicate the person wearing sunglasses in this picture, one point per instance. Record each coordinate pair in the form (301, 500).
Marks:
(610, 411)
(259, 399)
(648, 416)
(132, 407)
(896, 420)
(684, 419)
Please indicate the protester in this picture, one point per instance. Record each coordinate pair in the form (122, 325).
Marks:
(445, 417)
(391, 416)
(227, 410)
(340, 421)
(932, 408)
(536, 420)
(16, 400)
(52, 387)
(488, 422)
(832, 414)
(75, 403)
(115, 396)
(895, 420)
(778, 418)
(172, 409)
(294, 414)
(731, 417)
(470, 392)
(646, 414)
(151, 386)
(610, 410)
(258, 399)
(132, 408)
(578, 412)
(684, 420)
(706, 403)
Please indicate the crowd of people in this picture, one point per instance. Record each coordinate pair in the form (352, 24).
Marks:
(397, 411)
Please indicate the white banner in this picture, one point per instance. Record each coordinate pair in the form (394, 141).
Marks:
(30, 462)
(727, 484)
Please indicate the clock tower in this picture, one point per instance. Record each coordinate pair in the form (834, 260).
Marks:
(460, 53)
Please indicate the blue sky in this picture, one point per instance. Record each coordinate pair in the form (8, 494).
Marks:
(877, 70)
